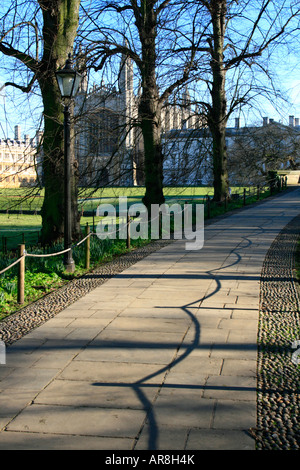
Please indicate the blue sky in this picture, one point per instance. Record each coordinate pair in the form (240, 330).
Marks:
(288, 81)
(15, 108)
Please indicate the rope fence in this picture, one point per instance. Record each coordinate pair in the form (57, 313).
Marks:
(274, 185)
(23, 254)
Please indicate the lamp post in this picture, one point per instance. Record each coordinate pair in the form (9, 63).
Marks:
(68, 81)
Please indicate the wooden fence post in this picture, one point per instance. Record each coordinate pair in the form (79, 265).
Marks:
(244, 196)
(208, 207)
(21, 276)
(87, 247)
(258, 191)
(128, 231)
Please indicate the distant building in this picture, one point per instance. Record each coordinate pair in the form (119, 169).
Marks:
(18, 161)
(256, 150)
(251, 152)
(109, 145)
(187, 157)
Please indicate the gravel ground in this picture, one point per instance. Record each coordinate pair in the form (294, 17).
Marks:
(279, 326)
(278, 411)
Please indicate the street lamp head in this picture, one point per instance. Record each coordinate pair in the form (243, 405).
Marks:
(68, 79)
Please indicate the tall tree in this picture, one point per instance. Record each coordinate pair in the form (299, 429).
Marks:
(256, 150)
(50, 26)
(144, 31)
(236, 35)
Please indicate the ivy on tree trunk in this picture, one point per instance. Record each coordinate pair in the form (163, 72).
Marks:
(59, 31)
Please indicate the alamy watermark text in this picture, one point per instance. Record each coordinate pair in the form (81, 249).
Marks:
(184, 228)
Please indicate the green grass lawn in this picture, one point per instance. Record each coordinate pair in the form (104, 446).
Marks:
(32, 199)
(24, 228)
(19, 228)
(21, 199)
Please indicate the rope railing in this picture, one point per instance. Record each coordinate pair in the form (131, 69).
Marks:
(26, 254)
(11, 265)
(250, 192)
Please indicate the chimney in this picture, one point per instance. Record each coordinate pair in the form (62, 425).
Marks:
(291, 121)
(265, 121)
(237, 123)
(296, 121)
(18, 133)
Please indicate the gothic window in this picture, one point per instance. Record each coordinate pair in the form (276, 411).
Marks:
(102, 132)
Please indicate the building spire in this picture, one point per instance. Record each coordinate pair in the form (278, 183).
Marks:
(126, 72)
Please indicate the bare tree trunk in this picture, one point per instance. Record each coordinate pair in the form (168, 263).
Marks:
(53, 205)
(152, 25)
(217, 118)
(59, 32)
(151, 129)
(244, 45)
(149, 107)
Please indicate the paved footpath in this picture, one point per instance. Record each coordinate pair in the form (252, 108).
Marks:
(161, 356)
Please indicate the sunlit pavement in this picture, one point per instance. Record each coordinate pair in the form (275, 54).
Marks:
(161, 356)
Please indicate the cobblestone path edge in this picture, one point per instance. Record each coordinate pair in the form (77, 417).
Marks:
(278, 378)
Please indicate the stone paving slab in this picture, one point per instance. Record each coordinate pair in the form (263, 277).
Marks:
(81, 393)
(117, 372)
(81, 420)
(47, 441)
(161, 356)
(212, 439)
